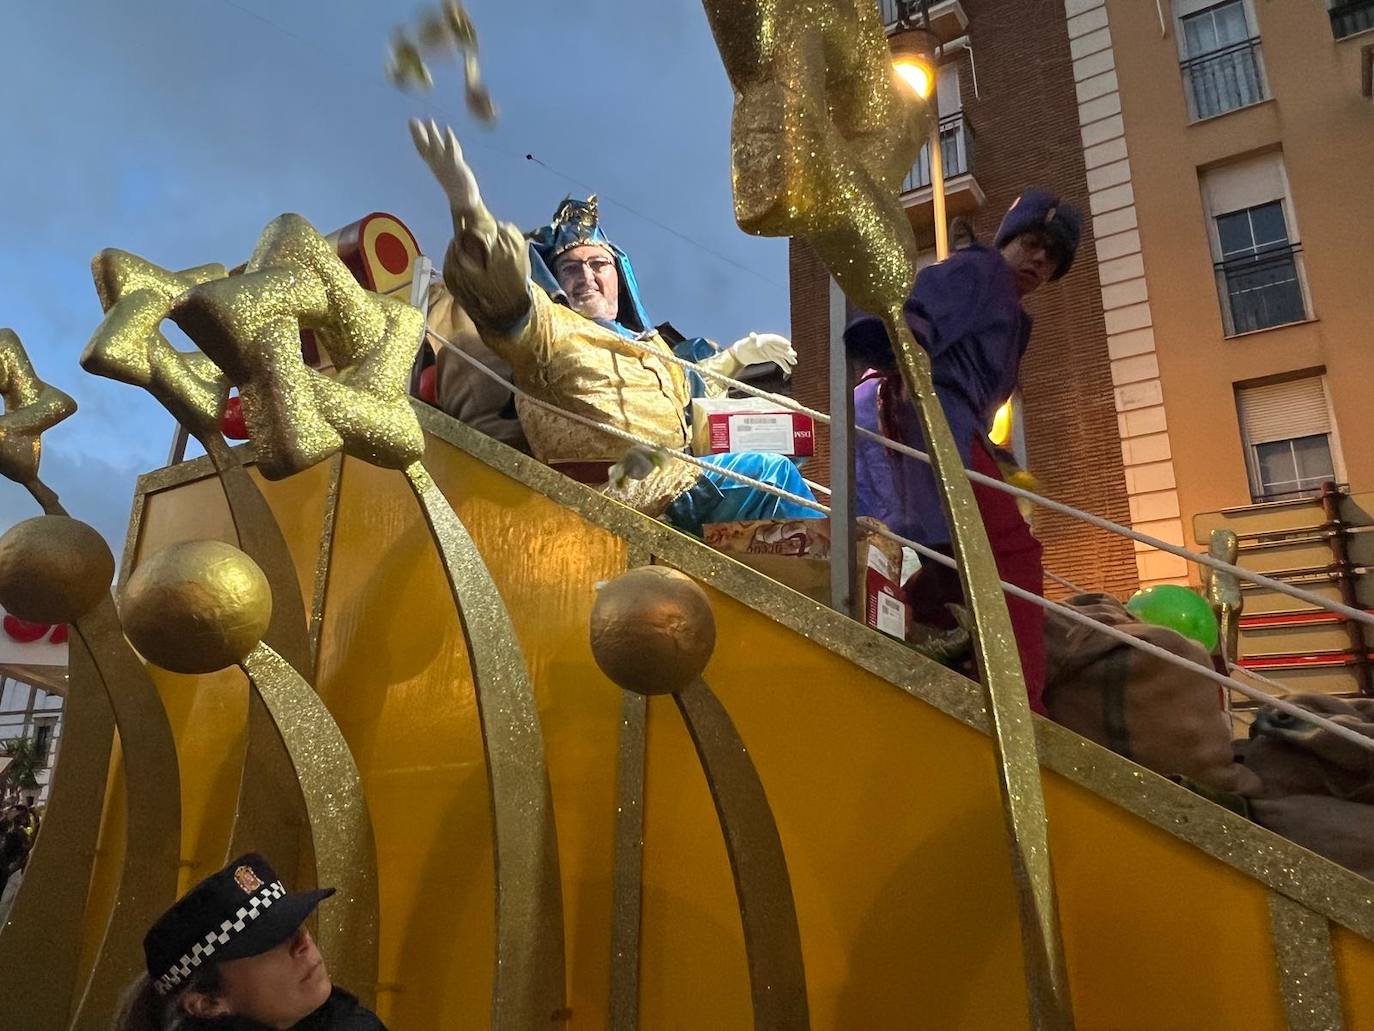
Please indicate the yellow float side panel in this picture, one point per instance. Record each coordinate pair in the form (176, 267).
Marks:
(888, 809)
(1355, 969)
(206, 713)
(395, 674)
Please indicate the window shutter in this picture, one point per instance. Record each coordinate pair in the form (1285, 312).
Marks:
(1280, 411)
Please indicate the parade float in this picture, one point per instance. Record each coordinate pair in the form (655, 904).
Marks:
(567, 766)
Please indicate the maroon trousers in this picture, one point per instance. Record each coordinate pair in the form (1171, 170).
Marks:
(1019, 561)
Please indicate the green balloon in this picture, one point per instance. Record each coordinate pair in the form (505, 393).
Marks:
(1179, 609)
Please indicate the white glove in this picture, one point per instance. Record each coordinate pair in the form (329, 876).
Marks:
(757, 348)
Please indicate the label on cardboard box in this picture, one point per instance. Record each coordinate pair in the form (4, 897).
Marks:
(768, 433)
(891, 618)
(885, 609)
(745, 424)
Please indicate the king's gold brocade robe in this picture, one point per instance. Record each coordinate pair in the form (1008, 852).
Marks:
(571, 362)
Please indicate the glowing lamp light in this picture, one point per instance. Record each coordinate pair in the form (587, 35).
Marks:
(1000, 434)
(916, 74)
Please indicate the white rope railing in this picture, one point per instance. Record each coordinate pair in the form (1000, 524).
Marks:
(930, 553)
(1199, 558)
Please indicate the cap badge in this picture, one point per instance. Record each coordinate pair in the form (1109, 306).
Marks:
(246, 879)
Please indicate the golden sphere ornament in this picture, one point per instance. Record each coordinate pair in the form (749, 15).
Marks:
(652, 630)
(53, 569)
(196, 607)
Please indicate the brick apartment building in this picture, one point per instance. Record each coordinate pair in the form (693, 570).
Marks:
(1010, 119)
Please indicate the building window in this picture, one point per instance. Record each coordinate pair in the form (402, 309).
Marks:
(1290, 438)
(1222, 66)
(1255, 248)
(1258, 271)
(1351, 17)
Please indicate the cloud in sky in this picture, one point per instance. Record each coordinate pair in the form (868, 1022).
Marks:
(177, 130)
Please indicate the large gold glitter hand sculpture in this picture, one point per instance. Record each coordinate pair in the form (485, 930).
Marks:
(54, 569)
(250, 325)
(821, 137)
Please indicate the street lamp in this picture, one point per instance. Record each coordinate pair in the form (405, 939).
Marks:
(914, 58)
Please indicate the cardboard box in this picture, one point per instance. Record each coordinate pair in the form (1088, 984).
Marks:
(796, 552)
(721, 424)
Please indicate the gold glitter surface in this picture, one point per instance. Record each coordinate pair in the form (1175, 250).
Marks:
(529, 983)
(340, 826)
(32, 407)
(772, 939)
(250, 325)
(1306, 966)
(129, 346)
(822, 136)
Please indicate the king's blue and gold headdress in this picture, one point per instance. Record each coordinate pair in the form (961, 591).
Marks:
(576, 223)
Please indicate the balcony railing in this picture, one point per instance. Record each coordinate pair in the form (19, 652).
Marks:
(1350, 17)
(956, 140)
(1262, 290)
(1224, 79)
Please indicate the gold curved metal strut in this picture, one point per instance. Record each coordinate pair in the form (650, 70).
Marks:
(529, 988)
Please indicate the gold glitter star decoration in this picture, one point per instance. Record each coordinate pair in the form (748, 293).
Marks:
(129, 346)
(822, 136)
(249, 324)
(32, 407)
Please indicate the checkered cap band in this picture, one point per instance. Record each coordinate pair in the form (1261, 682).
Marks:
(204, 949)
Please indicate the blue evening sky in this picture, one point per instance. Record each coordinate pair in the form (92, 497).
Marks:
(177, 129)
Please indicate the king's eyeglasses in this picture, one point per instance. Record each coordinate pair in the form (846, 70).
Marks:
(571, 266)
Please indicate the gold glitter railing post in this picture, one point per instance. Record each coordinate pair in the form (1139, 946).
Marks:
(201, 606)
(1018, 766)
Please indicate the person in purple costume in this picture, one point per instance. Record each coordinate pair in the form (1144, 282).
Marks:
(967, 313)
